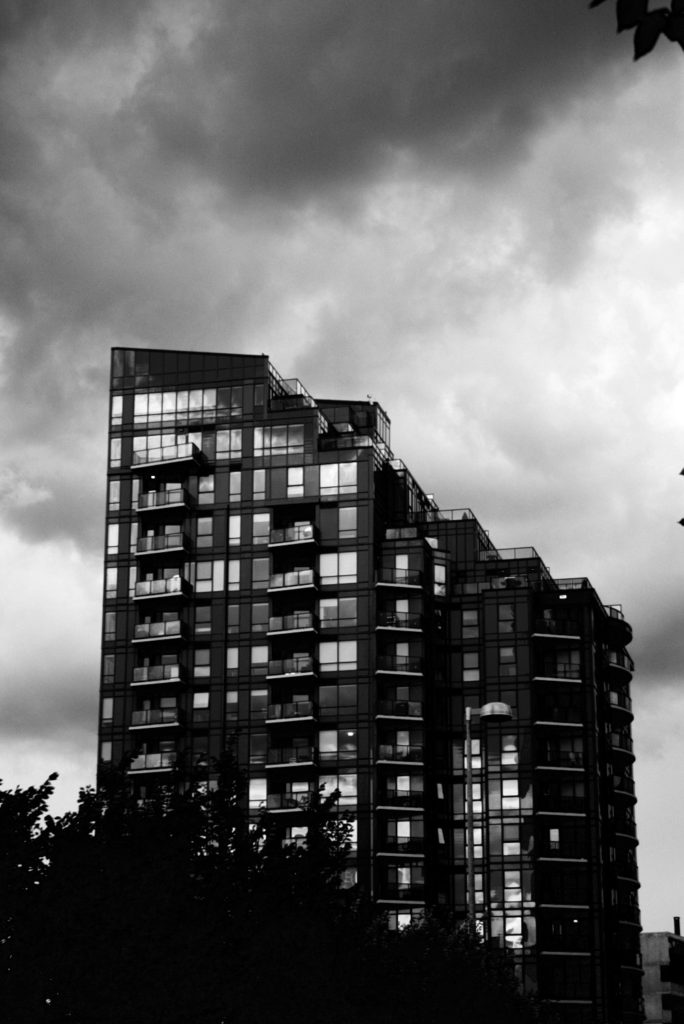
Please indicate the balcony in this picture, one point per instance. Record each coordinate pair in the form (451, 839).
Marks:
(161, 762)
(300, 533)
(392, 845)
(170, 455)
(399, 664)
(408, 799)
(391, 577)
(552, 804)
(561, 759)
(155, 718)
(145, 675)
(566, 629)
(620, 664)
(624, 786)
(160, 501)
(622, 742)
(292, 710)
(403, 753)
(174, 586)
(620, 702)
(165, 543)
(400, 620)
(298, 579)
(414, 893)
(554, 670)
(174, 629)
(288, 801)
(302, 665)
(399, 709)
(297, 622)
(626, 913)
(618, 625)
(287, 756)
(624, 828)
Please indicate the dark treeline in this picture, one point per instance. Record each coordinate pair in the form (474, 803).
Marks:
(179, 911)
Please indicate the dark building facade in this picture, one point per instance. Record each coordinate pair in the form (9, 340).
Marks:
(277, 582)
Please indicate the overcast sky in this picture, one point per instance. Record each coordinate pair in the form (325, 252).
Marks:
(470, 210)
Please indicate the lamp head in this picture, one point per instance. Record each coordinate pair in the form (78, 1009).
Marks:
(496, 711)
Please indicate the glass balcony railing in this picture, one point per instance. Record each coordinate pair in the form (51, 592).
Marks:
(400, 708)
(620, 660)
(169, 453)
(296, 578)
(172, 629)
(157, 674)
(399, 663)
(400, 620)
(400, 577)
(155, 716)
(291, 709)
(562, 759)
(400, 752)
(557, 627)
(292, 755)
(620, 701)
(164, 542)
(559, 670)
(403, 844)
(402, 798)
(162, 761)
(163, 499)
(303, 665)
(561, 804)
(288, 801)
(174, 585)
(297, 534)
(621, 741)
(288, 623)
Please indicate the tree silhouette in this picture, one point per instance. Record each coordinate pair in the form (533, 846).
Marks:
(649, 25)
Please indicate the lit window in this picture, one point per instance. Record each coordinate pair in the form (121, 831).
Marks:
(115, 452)
(337, 612)
(209, 576)
(440, 580)
(234, 574)
(280, 439)
(205, 532)
(107, 712)
(471, 666)
(338, 568)
(106, 750)
(228, 444)
(259, 660)
(117, 410)
(232, 657)
(337, 655)
(338, 478)
(111, 579)
(257, 794)
(114, 499)
(200, 706)
(295, 482)
(113, 539)
(347, 522)
(259, 485)
(234, 530)
(234, 485)
(206, 489)
(261, 526)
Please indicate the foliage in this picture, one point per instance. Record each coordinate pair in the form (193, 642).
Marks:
(179, 910)
(649, 25)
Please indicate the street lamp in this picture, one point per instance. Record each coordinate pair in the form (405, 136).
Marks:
(492, 713)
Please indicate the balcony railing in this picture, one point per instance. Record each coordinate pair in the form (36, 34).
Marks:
(400, 752)
(620, 741)
(401, 844)
(400, 577)
(287, 801)
(620, 700)
(153, 762)
(409, 798)
(622, 784)
(400, 708)
(292, 755)
(155, 716)
(157, 674)
(174, 585)
(291, 709)
(297, 534)
(163, 542)
(627, 912)
(562, 759)
(296, 578)
(160, 500)
(414, 893)
(169, 453)
(399, 663)
(171, 630)
(291, 666)
(399, 620)
(289, 623)
(561, 804)
(620, 659)
(554, 670)
(557, 627)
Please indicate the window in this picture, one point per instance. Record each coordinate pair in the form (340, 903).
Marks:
(259, 485)
(229, 401)
(506, 618)
(200, 706)
(207, 486)
(231, 705)
(113, 539)
(259, 660)
(279, 440)
(228, 444)
(439, 580)
(347, 522)
(260, 617)
(470, 629)
(106, 750)
(338, 568)
(337, 744)
(232, 658)
(471, 666)
(338, 478)
(345, 782)
(115, 452)
(257, 794)
(117, 410)
(234, 485)
(334, 699)
(107, 712)
(258, 745)
(234, 530)
(205, 532)
(108, 668)
(337, 655)
(260, 573)
(507, 661)
(295, 482)
(110, 626)
(258, 395)
(258, 703)
(202, 663)
(203, 619)
(337, 612)
(111, 580)
(261, 527)
(209, 576)
(114, 499)
(509, 792)
(233, 618)
(234, 574)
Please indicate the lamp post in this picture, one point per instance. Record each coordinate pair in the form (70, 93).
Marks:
(494, 712)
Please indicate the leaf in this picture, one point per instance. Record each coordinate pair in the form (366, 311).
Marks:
(630, 13)
(677, 7)
(648, 31)
(674, 29)
(595, 3)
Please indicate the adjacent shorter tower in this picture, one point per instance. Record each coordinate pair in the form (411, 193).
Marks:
(278, 583)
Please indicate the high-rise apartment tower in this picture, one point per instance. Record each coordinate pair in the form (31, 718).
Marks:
(276, 581)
